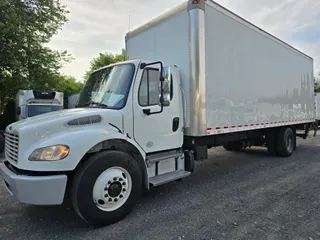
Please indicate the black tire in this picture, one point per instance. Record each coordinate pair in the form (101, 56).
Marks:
(85, 178)
(1, 143)
(285, 143)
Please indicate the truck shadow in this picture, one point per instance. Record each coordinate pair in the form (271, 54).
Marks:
(63, 215)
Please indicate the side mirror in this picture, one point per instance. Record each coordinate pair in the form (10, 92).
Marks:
(166, 87)
(18, 110)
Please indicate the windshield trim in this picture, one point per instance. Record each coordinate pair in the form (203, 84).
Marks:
(127, 92)
(117, 64)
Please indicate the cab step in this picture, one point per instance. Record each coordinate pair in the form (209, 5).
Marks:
(158, 157)
(168, 177)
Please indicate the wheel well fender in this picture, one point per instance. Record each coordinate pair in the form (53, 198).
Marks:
(122, 145)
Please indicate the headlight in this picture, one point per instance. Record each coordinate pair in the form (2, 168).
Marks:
(52, 153)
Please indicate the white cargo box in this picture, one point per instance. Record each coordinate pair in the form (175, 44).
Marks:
(235, 76)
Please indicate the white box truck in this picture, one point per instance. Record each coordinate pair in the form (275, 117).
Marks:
(202, 77)
(30, 103)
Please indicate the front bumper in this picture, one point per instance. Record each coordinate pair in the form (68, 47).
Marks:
(35, 190)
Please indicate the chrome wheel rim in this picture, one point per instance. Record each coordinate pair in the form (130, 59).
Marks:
(112, 189)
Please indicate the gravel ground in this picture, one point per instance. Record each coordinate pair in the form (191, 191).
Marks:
(247, 195)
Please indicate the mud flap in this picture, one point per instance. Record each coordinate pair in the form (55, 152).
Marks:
(271, 142)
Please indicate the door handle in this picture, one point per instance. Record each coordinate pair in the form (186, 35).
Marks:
(175, 124)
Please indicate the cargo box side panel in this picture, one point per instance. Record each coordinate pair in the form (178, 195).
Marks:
(167, 42)
(252, 79)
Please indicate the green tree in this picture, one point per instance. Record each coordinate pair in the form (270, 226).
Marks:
(25, 28)
(105, 59)
(68, 85)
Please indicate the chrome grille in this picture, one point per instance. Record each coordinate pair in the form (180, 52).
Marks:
(11, 146)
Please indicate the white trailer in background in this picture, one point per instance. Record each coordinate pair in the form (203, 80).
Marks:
(203, 77)
(30, 103)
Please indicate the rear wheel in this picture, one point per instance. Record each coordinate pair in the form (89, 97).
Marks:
(106, 188)
(285, 143)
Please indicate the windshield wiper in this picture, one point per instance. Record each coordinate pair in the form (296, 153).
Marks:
(99, 105)
(94, 104)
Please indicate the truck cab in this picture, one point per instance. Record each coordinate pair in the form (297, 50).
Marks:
(130, 114)
(135, 92)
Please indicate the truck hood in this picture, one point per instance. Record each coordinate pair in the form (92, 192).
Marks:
(56, 121)
(55, 128)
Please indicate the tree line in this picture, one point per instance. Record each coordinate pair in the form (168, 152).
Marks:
(26, 62)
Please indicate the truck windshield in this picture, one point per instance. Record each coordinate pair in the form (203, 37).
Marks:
(108, 87)
(34, 110)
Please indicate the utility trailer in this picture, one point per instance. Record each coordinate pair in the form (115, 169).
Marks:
(201, 77)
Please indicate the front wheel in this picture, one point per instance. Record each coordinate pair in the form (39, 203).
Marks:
(106, 188)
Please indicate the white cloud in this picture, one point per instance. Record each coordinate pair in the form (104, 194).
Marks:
(96, 26)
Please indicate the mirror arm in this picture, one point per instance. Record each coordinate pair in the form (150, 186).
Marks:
(147, 111)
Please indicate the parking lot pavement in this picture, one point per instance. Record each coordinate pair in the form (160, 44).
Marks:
(246, 195)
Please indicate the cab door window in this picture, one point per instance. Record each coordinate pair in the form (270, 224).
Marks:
(149, 90)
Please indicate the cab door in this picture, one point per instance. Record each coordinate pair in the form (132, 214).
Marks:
(160, 130)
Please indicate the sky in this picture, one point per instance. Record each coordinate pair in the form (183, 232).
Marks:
(96, 26)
